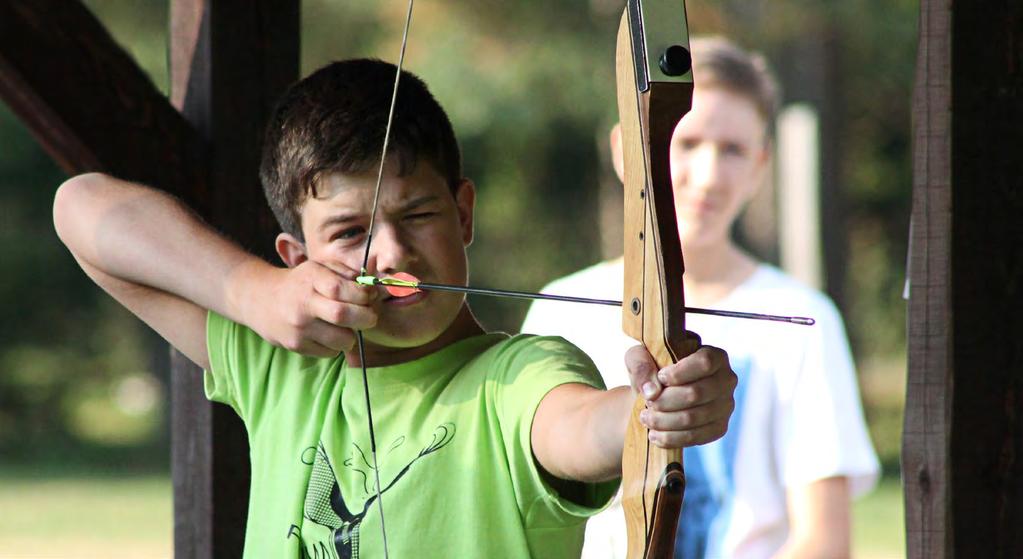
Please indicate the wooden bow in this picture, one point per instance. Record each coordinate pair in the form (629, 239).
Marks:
(655, 89)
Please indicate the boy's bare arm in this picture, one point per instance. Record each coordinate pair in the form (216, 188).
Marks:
(819, 516)
(578, 431)
(152, 254)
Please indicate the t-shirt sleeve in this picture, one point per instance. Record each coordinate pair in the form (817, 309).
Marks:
(240, 364)
(530, 367)
(823, 432)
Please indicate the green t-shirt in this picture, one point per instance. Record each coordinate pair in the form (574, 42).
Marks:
(453, 446)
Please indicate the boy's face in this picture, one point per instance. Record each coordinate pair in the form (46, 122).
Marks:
(421, 229)
(718, 159)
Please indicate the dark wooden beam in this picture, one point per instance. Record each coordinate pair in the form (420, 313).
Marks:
(963, 439)
(86, 101)
(925, 436)
(987, 278)
(230, 61)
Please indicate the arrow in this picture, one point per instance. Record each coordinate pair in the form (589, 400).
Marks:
(403, 284)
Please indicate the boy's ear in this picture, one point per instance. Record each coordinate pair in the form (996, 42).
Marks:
(290, 249)
(465, 201)
(617, 159)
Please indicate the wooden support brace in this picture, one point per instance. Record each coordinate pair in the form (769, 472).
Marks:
(87, 102)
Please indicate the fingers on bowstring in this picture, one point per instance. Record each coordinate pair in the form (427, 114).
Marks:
(310, 345)
(333, 339)
(341, 270)
(334, 286)
(343, 314)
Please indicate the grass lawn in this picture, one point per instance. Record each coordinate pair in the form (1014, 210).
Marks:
(85, 517)
(130, 517)
(878, 523)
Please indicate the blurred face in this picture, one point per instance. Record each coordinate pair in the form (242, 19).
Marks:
(420, 229)
(718, 158)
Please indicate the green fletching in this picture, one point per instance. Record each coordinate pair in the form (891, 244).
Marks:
(397, 282)
(394, 282)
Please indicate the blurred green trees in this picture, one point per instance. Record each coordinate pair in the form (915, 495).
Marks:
(530, 88)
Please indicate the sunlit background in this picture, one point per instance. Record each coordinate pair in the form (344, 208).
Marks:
(529, 86)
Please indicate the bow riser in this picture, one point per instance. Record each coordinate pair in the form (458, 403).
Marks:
(650, 105)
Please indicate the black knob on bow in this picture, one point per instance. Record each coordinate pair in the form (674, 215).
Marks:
(675, 61)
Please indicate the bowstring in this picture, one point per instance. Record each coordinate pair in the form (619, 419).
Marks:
(365, 262)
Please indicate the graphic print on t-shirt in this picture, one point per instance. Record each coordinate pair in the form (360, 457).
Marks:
(326, 506)
(710, 480)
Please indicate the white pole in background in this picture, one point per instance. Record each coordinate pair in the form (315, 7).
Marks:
(798, 187)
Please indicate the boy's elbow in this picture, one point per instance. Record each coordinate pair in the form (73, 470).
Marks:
(70, 199)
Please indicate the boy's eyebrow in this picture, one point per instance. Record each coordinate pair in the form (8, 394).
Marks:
(343, 218)
(416, 202)
(338, 219)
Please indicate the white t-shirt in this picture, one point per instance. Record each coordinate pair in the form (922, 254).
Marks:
(797, 419)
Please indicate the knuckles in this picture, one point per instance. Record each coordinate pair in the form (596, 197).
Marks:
(685, 419)
(691, 394)
(338, 314)
(717, 431)
(672, 439)
(678, 420)
(691, 437)
(292, 343)
(642, 369)
(703, 359)
(295, 319)
(333, 290)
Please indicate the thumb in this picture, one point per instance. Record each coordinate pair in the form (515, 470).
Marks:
(643, 372)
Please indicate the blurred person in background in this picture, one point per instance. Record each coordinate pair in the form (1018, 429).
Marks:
(780, 482)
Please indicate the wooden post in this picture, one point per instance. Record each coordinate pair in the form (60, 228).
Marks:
(230, 61)
(811, 71)
(93, 109)
(925, 435)
(963, 437)
(798, 193)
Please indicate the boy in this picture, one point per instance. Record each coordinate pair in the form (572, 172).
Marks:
(488, 446)
(779, 483)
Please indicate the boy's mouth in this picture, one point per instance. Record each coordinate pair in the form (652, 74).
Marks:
(403, 296)
(405, 300)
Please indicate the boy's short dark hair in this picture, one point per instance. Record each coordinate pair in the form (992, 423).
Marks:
(333, 121)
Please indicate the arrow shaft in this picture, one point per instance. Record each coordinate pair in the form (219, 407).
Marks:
(801, 320)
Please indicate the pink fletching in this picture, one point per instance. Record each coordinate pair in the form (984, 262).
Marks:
(398, 291)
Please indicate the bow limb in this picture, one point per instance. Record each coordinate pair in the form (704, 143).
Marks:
(655, 90)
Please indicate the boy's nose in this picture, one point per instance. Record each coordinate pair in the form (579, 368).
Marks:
(704, 168)
(390, 253)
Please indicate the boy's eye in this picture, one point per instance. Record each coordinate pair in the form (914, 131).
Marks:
(349, 233)
(731, 148)
(689, 144)
(418, 216)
